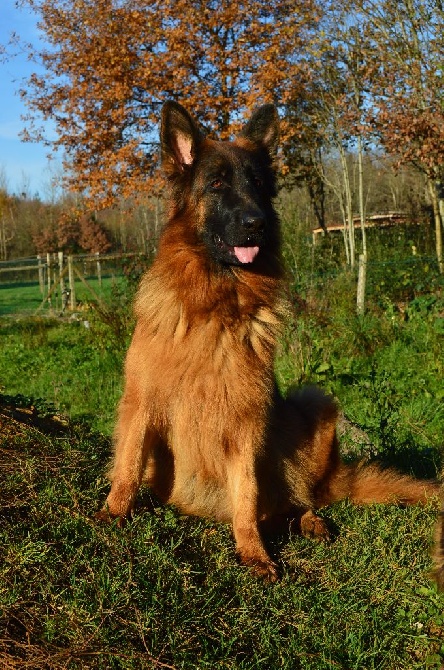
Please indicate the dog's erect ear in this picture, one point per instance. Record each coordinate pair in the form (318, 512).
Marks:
(179, 137)
(263, 128)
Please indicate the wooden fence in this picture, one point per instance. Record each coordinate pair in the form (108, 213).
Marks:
(382, 220)
(57, 274)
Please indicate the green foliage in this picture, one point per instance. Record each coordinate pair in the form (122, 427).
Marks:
(385, 367)
(115, 313)
(39, 406)
(403, 281)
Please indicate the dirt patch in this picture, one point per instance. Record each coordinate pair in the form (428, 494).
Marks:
(15, 419)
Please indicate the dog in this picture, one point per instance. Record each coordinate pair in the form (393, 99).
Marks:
(438, 555)
(201, 420)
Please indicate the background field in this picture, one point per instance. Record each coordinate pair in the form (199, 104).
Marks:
(25, 298)
(165, 591)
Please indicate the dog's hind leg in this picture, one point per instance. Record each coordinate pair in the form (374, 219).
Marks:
(300, 520)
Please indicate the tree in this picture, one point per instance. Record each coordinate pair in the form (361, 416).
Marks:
(332, 113)
(407, 40)
(68, 232)
(93, 236)
(110, 65)
(45, 239)
(7, 223)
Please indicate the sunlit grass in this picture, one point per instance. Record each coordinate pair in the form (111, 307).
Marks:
(166, 591)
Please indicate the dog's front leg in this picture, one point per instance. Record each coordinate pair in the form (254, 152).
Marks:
(134, 441)
(245, 501)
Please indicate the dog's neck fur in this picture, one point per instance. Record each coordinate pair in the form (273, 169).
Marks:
(249, 304)
(261, 284)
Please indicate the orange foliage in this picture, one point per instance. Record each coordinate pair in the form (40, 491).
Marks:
(93, 236)
(110, 65)
(406, 43)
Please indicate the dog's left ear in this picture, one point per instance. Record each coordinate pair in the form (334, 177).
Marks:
(179, 138)
(263, 128)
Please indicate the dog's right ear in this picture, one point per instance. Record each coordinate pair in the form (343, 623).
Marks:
(179, 138)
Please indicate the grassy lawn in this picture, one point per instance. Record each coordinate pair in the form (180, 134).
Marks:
(63, 365)
(26, 297)
(166, 591)
(20, 297)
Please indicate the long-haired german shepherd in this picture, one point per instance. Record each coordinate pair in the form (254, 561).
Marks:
(438, 555)
(201, 420)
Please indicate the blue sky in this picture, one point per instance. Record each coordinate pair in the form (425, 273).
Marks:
(24, 164)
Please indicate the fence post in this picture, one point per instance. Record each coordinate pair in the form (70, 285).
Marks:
(99, 269)
(49, 277)
(62, 283)
(40, 266)
(72, 289)
(360, 295)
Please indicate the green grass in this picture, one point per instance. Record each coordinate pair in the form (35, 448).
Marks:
(166, 591)
(26, 297)
(65, 364)
(74, 362)
(21, 297)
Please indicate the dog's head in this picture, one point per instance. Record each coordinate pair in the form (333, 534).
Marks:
(225, 189)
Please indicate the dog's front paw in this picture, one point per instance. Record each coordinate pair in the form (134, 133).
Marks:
(265, 569)
(104, 516)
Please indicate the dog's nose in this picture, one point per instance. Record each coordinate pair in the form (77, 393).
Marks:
(253, 223)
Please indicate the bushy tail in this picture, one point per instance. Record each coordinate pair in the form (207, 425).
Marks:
(364, 484)
(312, 416)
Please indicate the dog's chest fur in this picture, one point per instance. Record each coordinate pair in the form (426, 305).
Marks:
(198, 339)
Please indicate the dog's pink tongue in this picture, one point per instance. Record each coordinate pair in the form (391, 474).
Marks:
(246, 254)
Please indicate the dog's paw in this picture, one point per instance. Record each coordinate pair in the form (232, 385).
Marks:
(263, 569)
(105, 516)
(312, 526)
(267, 571)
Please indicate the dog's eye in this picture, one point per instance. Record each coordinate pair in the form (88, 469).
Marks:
(217, 183)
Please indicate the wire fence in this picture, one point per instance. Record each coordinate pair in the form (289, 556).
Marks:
(55, 280)
(52, 283)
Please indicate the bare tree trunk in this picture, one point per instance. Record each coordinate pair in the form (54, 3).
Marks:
(348, 205)
(2, 240)
(440, 196)
(438, 222)
(362, 212)
(123, 230)
(345, 230)
(362, 275)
